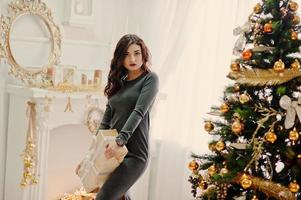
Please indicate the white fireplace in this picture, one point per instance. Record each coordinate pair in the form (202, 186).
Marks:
(63, 141)
(67, 145)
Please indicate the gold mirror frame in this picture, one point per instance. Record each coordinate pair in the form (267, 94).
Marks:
(18, 8)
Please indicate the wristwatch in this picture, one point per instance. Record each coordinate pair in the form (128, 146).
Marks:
(120, 142)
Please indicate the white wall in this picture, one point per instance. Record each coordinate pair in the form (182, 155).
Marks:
(3, 128)
(89, 47)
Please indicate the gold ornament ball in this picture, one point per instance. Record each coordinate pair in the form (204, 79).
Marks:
(211, 147)
(220, 146)
(23, 184)
(247, 54)
(235, 66)
(296, 20)
(295, 65)
(254, 198)
(294, 186)
(268, 27)
(28, 164)
(193, 165)
(31, 146)
(212, 170)
(203, 185)
(293, 6)
(27, 175)
(299, 159)
(279, 66)
(294, 35)
(35, 181)
(237, 127)
(246, 181)
(293, 135)
(257, 8)
(271, 137)
(236, 87)
(208, 126)
(27, 159)
(280, 128)
(244, 98)
(224, 108)
(224, 171)
(30, 141)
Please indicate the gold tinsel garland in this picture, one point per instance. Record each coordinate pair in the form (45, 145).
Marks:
(80, 194)
(270, 188)
(29, 155)
(257, 143)
(70, 88)
(261, 77)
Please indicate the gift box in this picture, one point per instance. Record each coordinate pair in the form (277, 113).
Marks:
(95, 167)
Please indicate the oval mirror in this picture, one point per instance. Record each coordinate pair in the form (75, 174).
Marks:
(32, 40)
(35, 41)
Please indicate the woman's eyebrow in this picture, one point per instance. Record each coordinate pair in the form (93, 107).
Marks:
(134, 51)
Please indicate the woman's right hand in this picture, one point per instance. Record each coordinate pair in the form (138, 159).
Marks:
(111, 149)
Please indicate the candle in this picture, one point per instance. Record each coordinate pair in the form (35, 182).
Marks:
(97, 73)
(96, 81)
(50, 76)
(50, 71)
(84, 79)
(97, 77)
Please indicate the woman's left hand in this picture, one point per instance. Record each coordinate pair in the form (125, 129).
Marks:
(111, 149)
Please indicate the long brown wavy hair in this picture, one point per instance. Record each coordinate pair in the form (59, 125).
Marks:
(117, 70)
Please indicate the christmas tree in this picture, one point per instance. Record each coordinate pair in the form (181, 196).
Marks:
(256, 147)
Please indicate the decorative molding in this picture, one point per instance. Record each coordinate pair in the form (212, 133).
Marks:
(41, 93)
(80, 12)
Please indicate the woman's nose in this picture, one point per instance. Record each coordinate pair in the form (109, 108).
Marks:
(132, 58)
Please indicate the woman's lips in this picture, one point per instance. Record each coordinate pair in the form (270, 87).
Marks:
(132, 65)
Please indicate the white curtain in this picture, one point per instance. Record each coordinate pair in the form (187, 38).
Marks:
(191, 42)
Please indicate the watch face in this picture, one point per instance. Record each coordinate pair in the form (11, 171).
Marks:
(119, 141)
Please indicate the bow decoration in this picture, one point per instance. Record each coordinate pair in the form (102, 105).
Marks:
(241, 41)
(292, 108)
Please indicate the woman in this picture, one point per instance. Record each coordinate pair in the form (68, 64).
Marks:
(131, 91)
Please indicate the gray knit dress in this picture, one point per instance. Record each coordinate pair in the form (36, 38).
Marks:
(128, 112)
